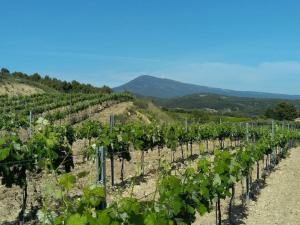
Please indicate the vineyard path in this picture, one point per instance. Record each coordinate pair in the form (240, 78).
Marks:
(279, 201)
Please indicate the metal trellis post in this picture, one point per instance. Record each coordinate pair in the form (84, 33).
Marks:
(273, 136)
(112, 166)
(30, 124)
(101, 171)
(247, 132)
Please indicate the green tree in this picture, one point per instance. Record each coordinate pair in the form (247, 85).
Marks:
(36, 77)
(4, 72)
(282, 111)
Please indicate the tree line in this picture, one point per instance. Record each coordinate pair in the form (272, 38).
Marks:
(54, 83)
(282, 111)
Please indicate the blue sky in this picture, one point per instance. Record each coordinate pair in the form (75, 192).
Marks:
(236, 44)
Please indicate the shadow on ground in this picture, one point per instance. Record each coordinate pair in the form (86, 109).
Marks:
(240, 211)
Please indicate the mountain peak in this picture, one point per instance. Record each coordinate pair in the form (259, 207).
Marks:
(148, 78)
(151, 86)
(145, 77)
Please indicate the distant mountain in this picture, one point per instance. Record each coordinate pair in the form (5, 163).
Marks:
(150, 86)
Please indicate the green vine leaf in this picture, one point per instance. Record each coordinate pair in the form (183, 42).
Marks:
(76, 219)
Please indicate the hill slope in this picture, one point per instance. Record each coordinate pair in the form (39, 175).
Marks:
(221, 103)
(12, 87)
(18, 83)
(165, 88)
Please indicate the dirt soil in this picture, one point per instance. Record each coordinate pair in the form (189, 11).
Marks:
(117, 109)
(279, 201)
(14, 88)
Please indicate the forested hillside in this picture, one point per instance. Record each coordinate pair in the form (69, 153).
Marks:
(223, 104)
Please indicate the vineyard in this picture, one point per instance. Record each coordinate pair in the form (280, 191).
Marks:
(77, 171)
(53, 107)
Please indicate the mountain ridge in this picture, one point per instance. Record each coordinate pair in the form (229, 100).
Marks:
(151, 86)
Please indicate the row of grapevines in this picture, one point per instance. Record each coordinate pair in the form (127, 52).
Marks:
(145, 137)
(16, 119)
(177, 198)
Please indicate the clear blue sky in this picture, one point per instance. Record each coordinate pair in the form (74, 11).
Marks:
(241, 44)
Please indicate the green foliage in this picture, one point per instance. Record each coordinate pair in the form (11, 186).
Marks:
(116, 140)
(226, 173)
(15, 110)
(12, 151)
(246, 159)
(50, 148)
(57, 84)
(217, 106)
(67, 181)
(171, 138)
(282, 111)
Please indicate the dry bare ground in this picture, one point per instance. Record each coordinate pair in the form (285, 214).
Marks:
(14, 88)
(116, 109)
(279, 201)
